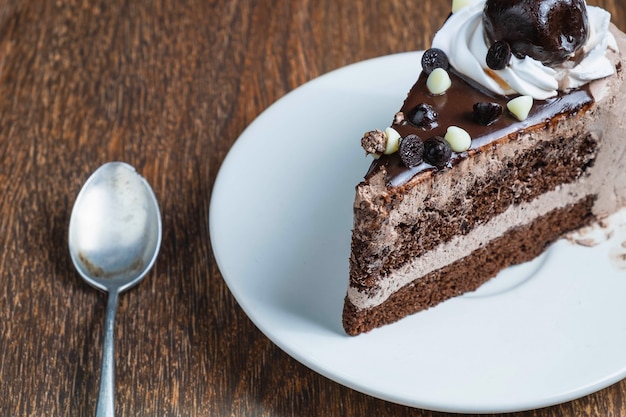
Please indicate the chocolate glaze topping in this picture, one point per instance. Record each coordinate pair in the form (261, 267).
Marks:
(550, 31)
(455, 108)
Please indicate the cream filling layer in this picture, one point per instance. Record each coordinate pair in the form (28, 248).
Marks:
(461, 246)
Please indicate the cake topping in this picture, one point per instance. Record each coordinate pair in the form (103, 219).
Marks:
(486, 113)
(458, 139)
(434, 58)
(438, 81)
(423, 116)
(498, 55)
(530, 71)
(462, 49)
(411, 151)
(437, 151)
(550, 31)
(374, 142)
(393, 140)
(520, 107)
(377, 142)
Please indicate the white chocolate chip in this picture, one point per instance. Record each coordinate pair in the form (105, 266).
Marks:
(459, 4)
(520, 107)
(438, 81)
(393, 140)
(459, 139)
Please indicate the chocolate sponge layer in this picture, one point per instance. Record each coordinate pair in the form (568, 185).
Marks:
(519, 245)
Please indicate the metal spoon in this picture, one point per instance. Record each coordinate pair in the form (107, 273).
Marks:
(114, 238)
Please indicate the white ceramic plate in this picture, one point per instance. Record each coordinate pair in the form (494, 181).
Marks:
(280, 219)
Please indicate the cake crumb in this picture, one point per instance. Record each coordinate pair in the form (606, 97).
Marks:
(590, 236)
(586, 242)
(607, 228)
(602, 230)
(618, 257)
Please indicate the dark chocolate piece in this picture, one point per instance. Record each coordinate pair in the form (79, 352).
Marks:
(437, 151)
(486, 113)
(434, 58)
(550, 31)
(499, 55)
(424, 116)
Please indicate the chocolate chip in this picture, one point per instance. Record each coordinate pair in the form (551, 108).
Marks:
(437, 151)
(486, 113)
(411, 151)
(434, 58)
(424, 116)
(498, 55)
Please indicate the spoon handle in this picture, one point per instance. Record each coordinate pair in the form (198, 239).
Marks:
(106, 396)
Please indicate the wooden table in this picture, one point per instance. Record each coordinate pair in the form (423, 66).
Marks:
(167, 86)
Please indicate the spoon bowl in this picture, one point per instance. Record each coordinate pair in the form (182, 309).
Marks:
(115, 228)
(114, 239)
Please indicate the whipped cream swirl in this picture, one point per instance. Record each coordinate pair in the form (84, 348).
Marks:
(463, 39)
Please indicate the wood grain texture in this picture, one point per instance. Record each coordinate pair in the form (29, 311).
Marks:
(167, 86)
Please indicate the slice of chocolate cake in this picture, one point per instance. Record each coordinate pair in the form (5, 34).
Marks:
(511, 137)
